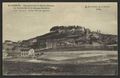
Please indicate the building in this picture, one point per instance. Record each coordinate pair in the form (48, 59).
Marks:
(27, 52)
(8, 48)
(24, 52)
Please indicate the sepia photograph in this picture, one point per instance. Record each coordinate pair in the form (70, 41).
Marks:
(65, 38)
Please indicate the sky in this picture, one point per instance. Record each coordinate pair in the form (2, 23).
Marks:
(23, 25)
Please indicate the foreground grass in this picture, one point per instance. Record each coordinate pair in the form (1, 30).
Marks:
(64, 63)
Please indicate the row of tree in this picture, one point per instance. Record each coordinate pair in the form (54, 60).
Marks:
(66, 27)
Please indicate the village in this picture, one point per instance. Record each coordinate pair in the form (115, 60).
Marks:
(60, 38)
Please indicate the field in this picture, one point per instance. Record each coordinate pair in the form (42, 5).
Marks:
(64, 63)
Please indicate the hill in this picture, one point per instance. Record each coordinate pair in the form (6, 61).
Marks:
(70, 36)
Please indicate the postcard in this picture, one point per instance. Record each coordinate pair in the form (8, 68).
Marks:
(60, 38)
